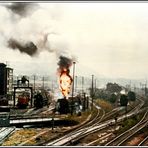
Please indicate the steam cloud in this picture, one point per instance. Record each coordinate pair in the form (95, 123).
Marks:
(32, 31)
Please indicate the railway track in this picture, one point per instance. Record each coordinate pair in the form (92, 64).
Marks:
(94, 119)
(75, 136)
(140, 127)
(144, 142)
(127, 134)
(32, 113)
(105, 124)
(80, 129)
(83, 131)
(5, 132)
(109, 134)
(98, 118)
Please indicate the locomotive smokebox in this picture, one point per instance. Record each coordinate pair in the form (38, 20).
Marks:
(62, 106)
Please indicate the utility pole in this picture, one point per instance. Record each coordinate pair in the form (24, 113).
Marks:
(34, 82)
(76, 83)
(43, 82)
(130, 85)
(73, 88)
(52, 86)
(82, 84)
(17, 78)
(134, 88)
(92, 91)
(140, 88)
(95, 84)
(146, 88)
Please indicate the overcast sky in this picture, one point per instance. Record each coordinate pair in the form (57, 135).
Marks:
(105, 39)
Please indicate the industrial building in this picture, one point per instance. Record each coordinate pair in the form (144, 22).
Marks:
(6, 81)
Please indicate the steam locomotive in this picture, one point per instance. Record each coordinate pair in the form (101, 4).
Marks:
(75, 104)
(62, 106)
(41, 99)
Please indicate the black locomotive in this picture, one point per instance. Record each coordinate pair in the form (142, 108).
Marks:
(62, 106)
(40, 100)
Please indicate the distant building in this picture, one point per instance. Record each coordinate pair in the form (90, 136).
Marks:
(2, 79)
(9, 80)
(6, 80)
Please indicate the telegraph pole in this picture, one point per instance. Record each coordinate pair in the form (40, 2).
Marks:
(73, 79)
(130, 85)
(43, 82)
(92, 91)
(95, 84)
(52, 86)
(34, 82)
(76, 83)
(146, 88)
(134, 88)
(73, 87)
(82, 84)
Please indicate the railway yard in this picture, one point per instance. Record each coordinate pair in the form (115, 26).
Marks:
(73, 74)
(35, 117)
(92, 128)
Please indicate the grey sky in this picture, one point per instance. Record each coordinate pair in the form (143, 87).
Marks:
(108, 39)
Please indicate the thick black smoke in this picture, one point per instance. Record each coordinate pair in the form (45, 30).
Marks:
(41, 40)
(64, 63)
(21, 8)
(28, 48)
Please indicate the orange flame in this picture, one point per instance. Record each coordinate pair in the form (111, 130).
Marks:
(65, 82)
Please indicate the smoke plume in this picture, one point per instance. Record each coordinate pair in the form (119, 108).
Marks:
(32, 29)
(22, 9)
(64, 63)
(28, 48)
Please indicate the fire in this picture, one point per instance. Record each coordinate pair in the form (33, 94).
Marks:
(65, 82)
